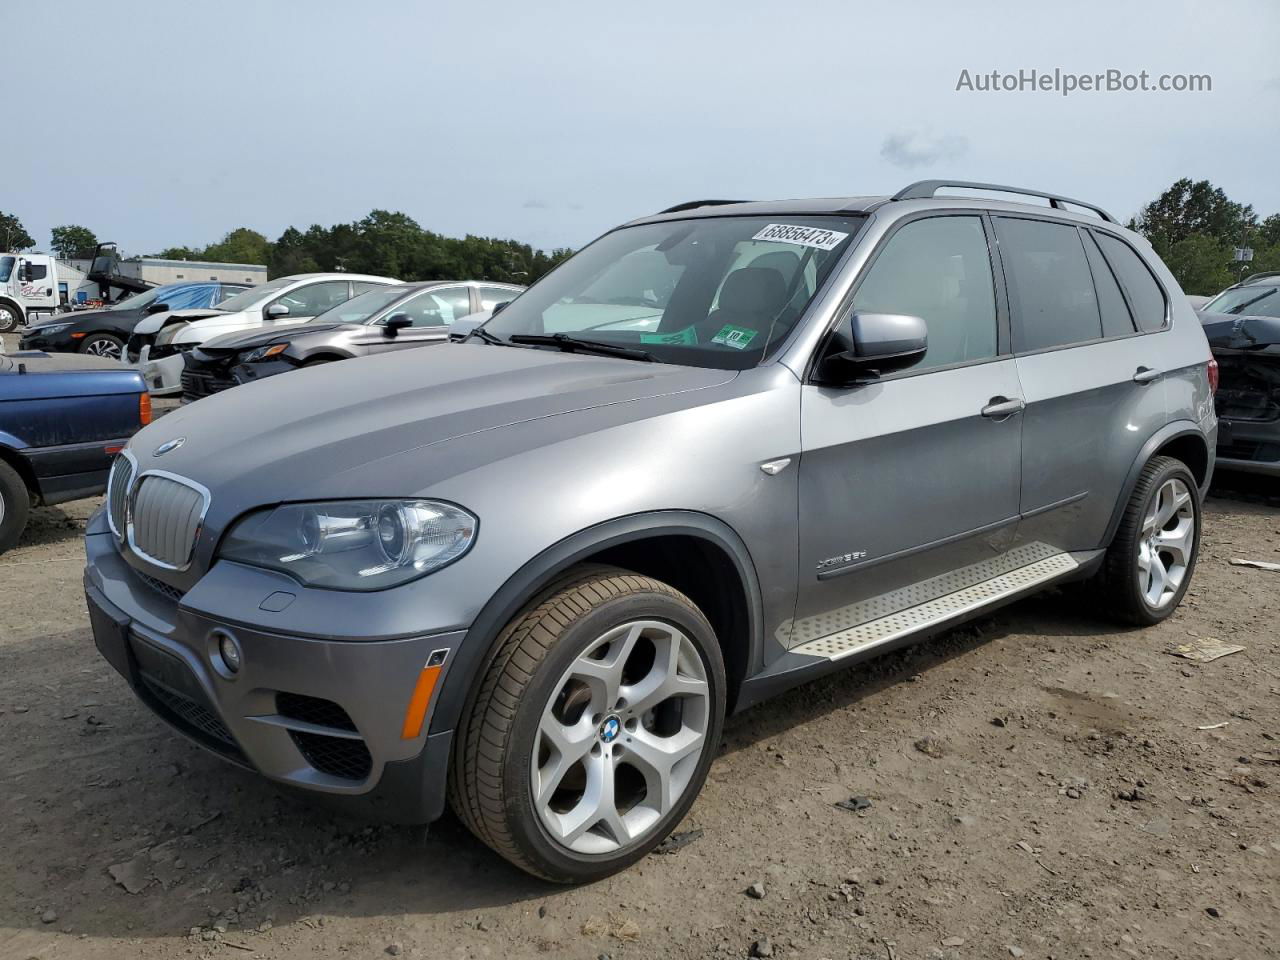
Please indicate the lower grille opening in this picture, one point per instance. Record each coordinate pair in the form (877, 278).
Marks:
(324, 713)
(336, 756)
(196, 719)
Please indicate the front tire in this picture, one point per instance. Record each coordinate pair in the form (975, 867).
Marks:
(103, 345)
(15, 505)
(593, 730)
(1149, 564)
(9, 318)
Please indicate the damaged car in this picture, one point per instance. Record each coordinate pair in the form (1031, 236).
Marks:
(1243, 327)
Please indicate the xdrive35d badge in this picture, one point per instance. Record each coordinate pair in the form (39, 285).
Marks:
(528, 573)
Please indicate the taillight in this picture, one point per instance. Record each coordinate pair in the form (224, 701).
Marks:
(1213, 375)
(144, 406)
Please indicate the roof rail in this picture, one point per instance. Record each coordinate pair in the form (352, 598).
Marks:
(1261, 276)
(923, 189)
(694, 204)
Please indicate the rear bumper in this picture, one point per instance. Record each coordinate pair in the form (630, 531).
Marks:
(74, 470)
(1250, 446)
(319, 715)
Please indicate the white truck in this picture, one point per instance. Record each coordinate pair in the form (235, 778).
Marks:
(30, 284)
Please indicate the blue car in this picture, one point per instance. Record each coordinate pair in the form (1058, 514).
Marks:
(103, 333)
(62, 420)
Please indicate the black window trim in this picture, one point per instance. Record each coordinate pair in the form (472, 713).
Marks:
(1168, 313)
(1004, 343)
(1168, 321)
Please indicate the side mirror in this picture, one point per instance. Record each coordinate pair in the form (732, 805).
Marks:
(498, 307)
(155, 308)
(866, 345)
(275, 310)
(24, 272)
(392, 326)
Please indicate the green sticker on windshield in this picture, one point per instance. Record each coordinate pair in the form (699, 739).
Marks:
(687, 336)
(737, 337)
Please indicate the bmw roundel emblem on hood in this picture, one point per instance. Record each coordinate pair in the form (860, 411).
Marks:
(168, 446)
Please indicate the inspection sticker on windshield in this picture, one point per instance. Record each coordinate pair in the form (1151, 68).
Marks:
(687, 336)
(814, 237)
(737, 337)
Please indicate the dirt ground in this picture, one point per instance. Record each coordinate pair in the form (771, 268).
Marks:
(1041, 784)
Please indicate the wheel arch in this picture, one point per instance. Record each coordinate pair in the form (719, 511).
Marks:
(1183, 440)
(13, 458)
(678, 547)
(15, 306)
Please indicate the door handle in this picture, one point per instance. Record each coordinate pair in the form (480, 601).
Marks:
(1145, 375)
(1001, 408)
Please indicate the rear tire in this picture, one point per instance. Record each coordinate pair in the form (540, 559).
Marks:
(571, 789)
(103, 345)
(15, 506)
(1149, 564)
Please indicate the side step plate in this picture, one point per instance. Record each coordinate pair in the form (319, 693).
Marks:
(874, 633)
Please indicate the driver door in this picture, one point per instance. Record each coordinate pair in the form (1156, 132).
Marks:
(910, 478)
(431, 313)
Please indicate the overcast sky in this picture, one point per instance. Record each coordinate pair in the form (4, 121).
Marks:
(159, 124)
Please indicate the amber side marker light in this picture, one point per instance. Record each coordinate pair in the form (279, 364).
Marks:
(416, 714)
(144, 408)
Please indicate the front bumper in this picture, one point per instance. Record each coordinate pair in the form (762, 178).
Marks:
(163, 376)
(205, 378)
(325, 716)
(1249, 446)
(33, 339)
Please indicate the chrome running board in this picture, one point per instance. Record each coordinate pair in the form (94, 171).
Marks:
(938, 611)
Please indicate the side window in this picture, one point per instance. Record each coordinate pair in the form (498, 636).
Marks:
(1116, 319)
(1050, 287)
(938, 269)
(490, 297)
(316, 298)
(226, 291)
(364, 286)
(436, 308)
(38, 271)
(1145, 295)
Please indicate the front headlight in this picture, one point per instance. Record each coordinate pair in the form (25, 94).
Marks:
(45, 328)
(353, 544)
(166, 336)
(263, 353)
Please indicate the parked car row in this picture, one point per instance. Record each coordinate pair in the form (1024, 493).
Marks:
(724, 449)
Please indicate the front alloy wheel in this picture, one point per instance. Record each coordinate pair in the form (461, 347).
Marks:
(593, 730)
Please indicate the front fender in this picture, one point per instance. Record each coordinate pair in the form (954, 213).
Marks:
(479, 648)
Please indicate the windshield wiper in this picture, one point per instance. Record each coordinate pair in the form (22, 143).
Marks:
(487, 337)
(574, 345)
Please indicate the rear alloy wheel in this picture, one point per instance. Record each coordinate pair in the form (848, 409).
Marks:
(9, 318)
(1149, 564)
(103, 345)
(593, 731)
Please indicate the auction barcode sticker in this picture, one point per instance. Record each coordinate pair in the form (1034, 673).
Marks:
(814, 237)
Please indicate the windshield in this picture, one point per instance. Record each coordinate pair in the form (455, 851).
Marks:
(6, 269)
(361, 308)
(245, 300)
(138, 300)
(720, 292)
(1252, 301)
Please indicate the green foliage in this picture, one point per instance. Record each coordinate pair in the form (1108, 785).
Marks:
(13, 235)
(71, 242)
(385, 243)
(1195, 228)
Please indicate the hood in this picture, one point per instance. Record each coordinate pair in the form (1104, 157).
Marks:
(153, 323)
(248, 339)
(1228, 331)
(359, 428)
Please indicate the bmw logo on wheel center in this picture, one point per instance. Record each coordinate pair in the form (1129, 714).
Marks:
(610, 729)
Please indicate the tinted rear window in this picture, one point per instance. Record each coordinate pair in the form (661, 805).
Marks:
(1050, 286)
(1116, 319)
(1144, 293)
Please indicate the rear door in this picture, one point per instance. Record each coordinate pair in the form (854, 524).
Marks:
(906, 480)
(1093, 388)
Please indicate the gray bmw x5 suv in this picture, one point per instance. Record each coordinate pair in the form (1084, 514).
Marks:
(721, 451)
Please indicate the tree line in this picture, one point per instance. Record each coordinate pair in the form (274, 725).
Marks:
(1193, 226)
